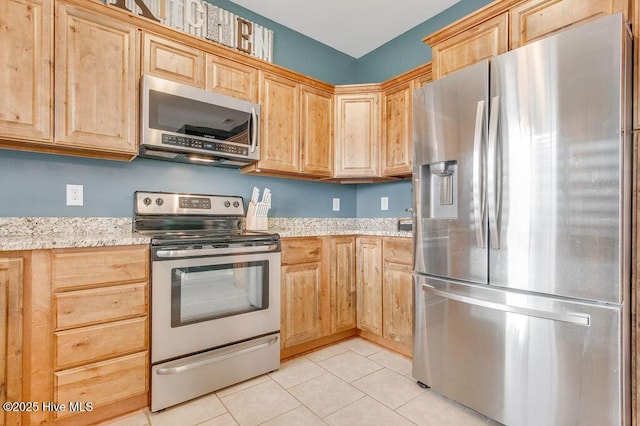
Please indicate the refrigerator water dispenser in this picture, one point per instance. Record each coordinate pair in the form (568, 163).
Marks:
(440, 183)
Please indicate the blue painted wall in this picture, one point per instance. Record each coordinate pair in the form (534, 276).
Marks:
(34, 184)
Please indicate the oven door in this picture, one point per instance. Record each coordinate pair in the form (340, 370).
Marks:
(199, 303)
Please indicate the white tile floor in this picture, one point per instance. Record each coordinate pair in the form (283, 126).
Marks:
(351, 383)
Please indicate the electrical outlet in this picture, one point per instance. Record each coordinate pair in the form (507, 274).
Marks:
(384, 203)
(336, 204)
(75, 195)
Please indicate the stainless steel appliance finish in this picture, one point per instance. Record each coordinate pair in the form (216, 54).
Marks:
(522, 228)
(215, 295)
(187, 124)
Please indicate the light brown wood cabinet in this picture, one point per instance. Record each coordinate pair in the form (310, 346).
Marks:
(88, 311)
(397, 293)
(26, 73)
(369, 284)
(301, 291)
(316, 123)
(96, 82)
(343, 283)
(397, 146)
(173, 61)
(280, 124)
(385, 291)
(535, 19)
(481, 41)
(231, 78)
(296, 129)
(11, 332)
(357, 132)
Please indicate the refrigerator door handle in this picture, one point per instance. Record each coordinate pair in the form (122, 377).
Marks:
(494, 179)
(569, 317)
(478, 176)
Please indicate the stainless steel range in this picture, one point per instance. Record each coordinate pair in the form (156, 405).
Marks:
(215, 295)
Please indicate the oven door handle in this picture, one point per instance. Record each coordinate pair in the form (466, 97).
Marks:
(214, 358)
(173, 253)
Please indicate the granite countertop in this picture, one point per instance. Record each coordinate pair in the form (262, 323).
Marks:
(46, 233)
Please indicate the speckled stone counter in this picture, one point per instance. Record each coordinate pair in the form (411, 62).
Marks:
(33, 233)
(305, 227)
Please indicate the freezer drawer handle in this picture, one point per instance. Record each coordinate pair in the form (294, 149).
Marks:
(478, 176)
(214, 358)
(570, 317)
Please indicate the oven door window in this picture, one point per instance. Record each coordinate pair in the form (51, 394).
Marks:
(204, 293)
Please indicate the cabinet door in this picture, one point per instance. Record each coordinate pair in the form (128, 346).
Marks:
(535, 19)
(96, 81)
(369, 284)
(317, 131)
(301, 303)
(232, 78)
(26, 48)
(280, 136)
(171, 60)
(484, 40)
(398, 304)
(357, 135)
(397, 143)
(11, 301)
(343, 286)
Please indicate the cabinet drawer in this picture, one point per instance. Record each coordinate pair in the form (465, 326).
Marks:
(102, 383)
(89, 344)
(398, 250)
(301, 250)
(87, 267)
(86, 307)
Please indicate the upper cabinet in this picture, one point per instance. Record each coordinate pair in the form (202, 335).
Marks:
(535, 19)
(508, 24)
(232, 78)
(280, 123)
(397, 130)
(357, 138)
(296, 128)
(26, 46)
(316, 140)
(96, 79)
(172, 60)
(481, 41)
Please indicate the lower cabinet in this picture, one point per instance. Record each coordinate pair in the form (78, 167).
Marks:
(385, 295)
(339, 286)
(318, 292)
(11, 325)
(86, 351)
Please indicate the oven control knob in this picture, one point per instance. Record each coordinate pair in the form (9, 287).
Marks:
(236, 204)
(227, 203)
(146, 201)
(159, 201)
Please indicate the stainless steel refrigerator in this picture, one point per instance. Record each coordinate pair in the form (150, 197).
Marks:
(522, 204)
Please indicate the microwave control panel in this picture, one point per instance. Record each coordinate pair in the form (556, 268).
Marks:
(186, 141)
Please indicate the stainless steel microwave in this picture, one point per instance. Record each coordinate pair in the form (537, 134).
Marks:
(191, 125)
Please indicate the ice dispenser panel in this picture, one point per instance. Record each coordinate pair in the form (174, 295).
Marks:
(440, 189)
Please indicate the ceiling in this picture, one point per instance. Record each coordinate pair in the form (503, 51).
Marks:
(359, 27)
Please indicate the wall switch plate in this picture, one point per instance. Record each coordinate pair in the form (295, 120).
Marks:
(384, 203)
(336, 204)
(75, 195)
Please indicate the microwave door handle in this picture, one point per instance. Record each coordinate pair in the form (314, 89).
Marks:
(254, 129)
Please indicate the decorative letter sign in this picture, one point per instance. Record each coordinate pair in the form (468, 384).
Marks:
(202, 19)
